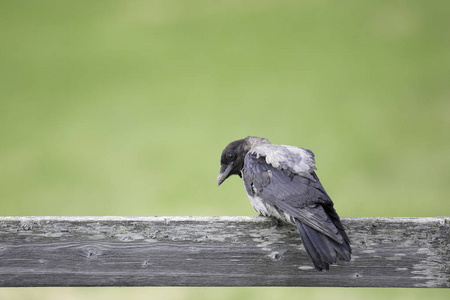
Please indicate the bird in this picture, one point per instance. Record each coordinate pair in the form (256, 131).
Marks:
(281, 182)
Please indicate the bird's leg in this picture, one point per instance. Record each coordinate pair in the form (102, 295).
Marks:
(277, 222)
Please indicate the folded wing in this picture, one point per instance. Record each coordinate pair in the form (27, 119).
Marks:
(284, 178)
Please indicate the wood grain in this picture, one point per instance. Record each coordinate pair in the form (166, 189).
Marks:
(216, 251)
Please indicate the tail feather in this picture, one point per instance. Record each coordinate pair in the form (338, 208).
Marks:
(322, 249)
(331, 212)
(310, 249)
(345, 250)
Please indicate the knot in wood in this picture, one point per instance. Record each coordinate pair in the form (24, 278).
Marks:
(275, 255)
(91, 252)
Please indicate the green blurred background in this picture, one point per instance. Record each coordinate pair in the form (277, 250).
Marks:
(124, 107)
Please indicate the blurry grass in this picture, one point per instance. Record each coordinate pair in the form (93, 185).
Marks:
(123, 108)
(222, 293)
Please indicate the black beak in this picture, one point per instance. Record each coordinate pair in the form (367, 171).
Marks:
(224, 173)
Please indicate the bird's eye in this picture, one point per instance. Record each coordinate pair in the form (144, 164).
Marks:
(230, 155)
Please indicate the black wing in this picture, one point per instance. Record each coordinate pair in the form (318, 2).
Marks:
(305, 199)
(292, 193)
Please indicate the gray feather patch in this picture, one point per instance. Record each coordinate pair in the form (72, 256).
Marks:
(294, 159)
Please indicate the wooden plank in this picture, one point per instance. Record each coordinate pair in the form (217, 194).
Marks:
(216, 251)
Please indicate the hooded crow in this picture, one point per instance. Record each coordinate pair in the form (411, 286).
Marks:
(280, 182)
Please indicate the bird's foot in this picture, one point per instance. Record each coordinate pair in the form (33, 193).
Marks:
(276, 221)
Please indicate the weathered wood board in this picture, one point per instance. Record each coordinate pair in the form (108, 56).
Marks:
(216, 251)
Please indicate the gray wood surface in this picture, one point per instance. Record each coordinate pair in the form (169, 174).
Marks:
(216, 251)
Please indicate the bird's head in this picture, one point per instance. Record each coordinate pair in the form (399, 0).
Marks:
(232, 159)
